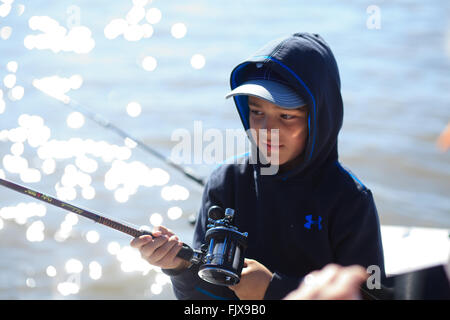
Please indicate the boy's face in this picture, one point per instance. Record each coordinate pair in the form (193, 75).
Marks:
(291, 123)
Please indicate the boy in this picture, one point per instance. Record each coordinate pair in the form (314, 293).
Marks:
(311, 212)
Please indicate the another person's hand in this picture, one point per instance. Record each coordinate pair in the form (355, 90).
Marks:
(443, 141)
(161, 250)
(255, 278)
(333, 282)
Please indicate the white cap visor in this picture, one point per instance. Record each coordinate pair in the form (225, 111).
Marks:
(271, 91)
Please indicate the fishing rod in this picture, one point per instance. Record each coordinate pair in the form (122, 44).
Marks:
(222, 267)
(186, 252)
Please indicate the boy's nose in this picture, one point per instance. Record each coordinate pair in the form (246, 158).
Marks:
(269, 123)
(270, 127)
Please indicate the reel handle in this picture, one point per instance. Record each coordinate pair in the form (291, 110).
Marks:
(216, 213)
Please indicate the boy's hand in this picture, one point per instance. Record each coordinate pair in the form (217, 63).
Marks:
(255, 279)
(160, 250)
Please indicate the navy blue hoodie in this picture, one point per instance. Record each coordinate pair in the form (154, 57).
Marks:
(300, 220)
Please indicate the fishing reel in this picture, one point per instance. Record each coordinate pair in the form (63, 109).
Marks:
(224, 249)
(221, 257)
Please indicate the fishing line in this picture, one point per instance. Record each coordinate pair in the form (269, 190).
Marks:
(105, 123)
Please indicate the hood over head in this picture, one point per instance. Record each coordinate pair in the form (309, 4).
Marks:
(305, 63)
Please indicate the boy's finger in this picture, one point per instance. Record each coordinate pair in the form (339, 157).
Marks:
(140, 241)
(162, 230)
(148, 249)
(156, 232)
(172, 254)
(161, 252)
(162, 256)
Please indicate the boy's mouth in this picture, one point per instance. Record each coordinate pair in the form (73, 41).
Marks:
(269, 146)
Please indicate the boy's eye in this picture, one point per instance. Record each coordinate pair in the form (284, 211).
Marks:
(287, 116)
(256, 112)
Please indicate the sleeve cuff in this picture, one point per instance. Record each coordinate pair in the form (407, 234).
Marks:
(173, 272)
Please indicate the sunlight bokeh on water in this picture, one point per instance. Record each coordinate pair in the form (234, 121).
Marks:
(151, 67)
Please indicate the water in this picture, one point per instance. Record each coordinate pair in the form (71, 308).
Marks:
(394, 85)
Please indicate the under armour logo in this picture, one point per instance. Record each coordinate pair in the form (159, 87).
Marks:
(310, 222)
